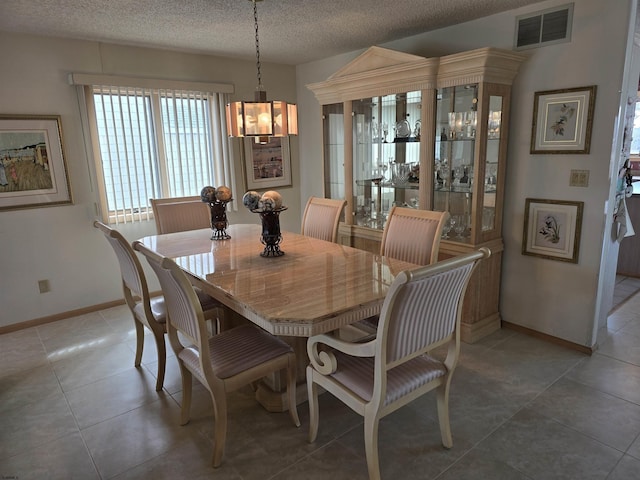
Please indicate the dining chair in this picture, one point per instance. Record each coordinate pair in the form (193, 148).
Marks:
(222, 363)
(321, 218)
(420, 313)
(413, 235)
(147, 310)
(178, 214)
(410, 235)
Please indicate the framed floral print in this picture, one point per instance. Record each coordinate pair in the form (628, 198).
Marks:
(562, 120)
(33, 171)
(552, 229)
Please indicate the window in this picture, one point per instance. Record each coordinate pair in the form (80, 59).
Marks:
(155, 143)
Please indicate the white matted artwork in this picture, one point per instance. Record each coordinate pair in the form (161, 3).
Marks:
(562, 120)
(33, 171)
(267, 165)
(552, 229)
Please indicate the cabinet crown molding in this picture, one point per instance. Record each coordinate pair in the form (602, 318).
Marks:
(376, 72)
(380, 71)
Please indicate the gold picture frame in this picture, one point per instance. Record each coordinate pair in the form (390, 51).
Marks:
(552, 229)
(33, 170)
(563, 120)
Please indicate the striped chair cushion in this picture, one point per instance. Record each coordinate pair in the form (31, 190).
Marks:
(356, 373)
(236, 350)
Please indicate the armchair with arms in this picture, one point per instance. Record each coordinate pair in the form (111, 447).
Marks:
(421, 312)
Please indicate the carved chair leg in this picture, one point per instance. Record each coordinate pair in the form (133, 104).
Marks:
(443, 414)
(371, 446)
(186, 393)
(312, 394)
(220, 428)
(139, 342)
(291, 390)
(162, 359)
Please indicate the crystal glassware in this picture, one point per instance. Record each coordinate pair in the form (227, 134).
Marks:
(452, 125)
(460, 226)
(403, 128)
(446, 228)
(385, 132)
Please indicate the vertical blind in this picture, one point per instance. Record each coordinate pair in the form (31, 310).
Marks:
(155, 143)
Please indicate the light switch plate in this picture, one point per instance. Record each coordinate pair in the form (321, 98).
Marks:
(579, 178)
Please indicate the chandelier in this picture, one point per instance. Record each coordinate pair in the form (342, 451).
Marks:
(261, 118)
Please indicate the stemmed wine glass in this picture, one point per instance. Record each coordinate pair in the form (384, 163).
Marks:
(446, 228)
(383, 168)
(385, 132)
(453, 220)
(494, 124)
(452, 125)
(460, 226)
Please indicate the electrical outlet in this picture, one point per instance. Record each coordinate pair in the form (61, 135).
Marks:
(43, 286)
(579, 178)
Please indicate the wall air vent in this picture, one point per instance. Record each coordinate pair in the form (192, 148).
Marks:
(545, 27)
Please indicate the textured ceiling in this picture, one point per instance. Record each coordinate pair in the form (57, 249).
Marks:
(290, 31)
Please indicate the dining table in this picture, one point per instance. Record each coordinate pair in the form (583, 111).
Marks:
(314, 287)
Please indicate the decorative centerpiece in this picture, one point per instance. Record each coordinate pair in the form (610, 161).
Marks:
(268, 206)
(217, 198)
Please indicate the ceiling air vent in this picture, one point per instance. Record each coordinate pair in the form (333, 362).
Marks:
(544, 27)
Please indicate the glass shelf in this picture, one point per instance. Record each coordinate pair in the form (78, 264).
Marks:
(381, 156)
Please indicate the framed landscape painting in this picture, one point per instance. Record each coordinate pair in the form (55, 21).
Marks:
(562, 120)
(33, 171)
(552, 229)
(267, 165)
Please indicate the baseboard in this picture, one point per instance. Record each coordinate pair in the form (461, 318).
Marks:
(549, 338)
(472, 332)
(14, 327)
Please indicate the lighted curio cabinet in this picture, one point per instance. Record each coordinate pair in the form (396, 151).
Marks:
(429, 133)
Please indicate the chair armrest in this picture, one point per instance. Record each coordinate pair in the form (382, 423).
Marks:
(324, 361)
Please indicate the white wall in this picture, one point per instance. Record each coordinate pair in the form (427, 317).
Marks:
(555, 298)
(60, 243)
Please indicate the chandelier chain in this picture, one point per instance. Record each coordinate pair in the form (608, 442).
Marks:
(255, 20)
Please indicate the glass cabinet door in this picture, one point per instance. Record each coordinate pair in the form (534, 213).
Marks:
(456, 137)
(333, 144)
(386, 155)
(494, 122)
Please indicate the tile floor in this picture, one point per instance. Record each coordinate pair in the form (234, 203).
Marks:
(73, 406)
(624, 288)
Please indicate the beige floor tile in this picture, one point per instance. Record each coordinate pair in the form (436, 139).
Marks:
(93, 364)
(27, 387)
(627, 469)
(32, 426)
(331, 461)
(622, 345)
(540, 447)
(135, 437)
(477, 466)
(609, 375)
(62, 458)
(21, 350)
(606, 418)
(112, 396)
(77, 335)
(188, 459)
(73, 406)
